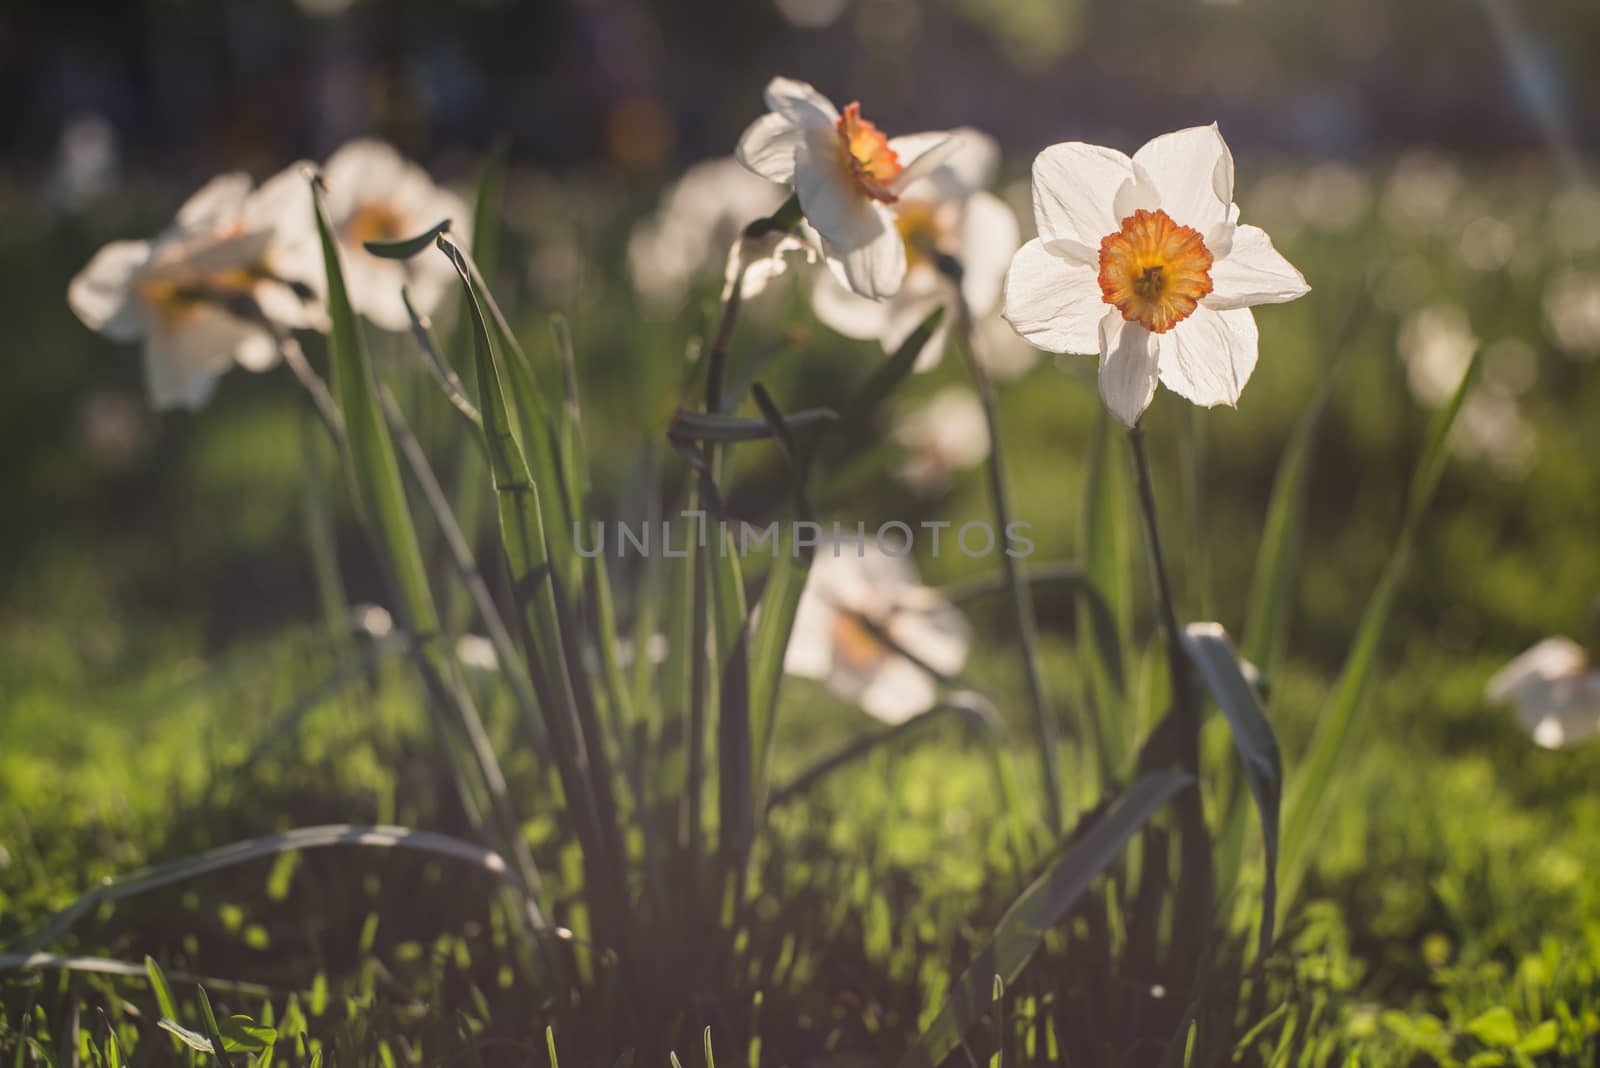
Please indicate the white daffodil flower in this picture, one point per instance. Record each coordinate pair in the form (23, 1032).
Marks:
(847, 175)
(1554, 690)
(852, 601)
(947, 212)
(1144, 261)
(375, 194)
(209, 290)
(700, 217)
(943, 436)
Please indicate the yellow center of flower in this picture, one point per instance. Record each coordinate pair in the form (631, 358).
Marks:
(174, 297)
(873, 163)
(919, 228)
(376, 221)
(855, 643)
(1154, 270)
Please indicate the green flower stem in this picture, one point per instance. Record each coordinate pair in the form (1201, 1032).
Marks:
(1021, 593)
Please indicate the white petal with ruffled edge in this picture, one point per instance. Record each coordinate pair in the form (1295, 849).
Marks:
(1053, 302)
(768, 146)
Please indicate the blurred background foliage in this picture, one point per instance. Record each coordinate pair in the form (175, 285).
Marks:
(1423, 163)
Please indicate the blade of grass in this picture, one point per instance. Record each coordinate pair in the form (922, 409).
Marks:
(1344, 715)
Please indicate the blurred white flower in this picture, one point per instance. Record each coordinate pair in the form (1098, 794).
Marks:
(700, 216)
(202, 292)
(1572, 313)
(87, 161)
(947, 212)
(846, 174)
(853, 599)
(477, 652)
(1436, 344)
(1574, 219)
(1420, 193)
(375, 194)
(1002, 351)
(1332, 195)
(945, 435)
(1144, 261)
(1487, 243)
(1556, 695)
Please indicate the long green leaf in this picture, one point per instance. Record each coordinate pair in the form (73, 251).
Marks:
(1214, 657)
(528, 558)
(1344, 714)
(1039, 908)
(373, 466)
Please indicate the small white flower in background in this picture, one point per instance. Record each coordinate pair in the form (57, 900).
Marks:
(1421, 193)
(700, 216)
(375, 194)
(477, 652)
(1572, 313)
(196, 293)
(1144, 261)
(1436, 344)
(946, 212)
(943, 436)
(846, 174)
(852, 598)
(1554, 690)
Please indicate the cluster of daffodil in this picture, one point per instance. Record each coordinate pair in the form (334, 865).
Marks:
(1143, 261)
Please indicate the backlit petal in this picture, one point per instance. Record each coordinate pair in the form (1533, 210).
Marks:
(859, 238)
(1128, 367)
(768, 146)
(989, 238)
(1209, 356)
(801, 104)
(1193, 172)
(1253, 272)
(1053, 302)
(102, 294)
(1075, 188)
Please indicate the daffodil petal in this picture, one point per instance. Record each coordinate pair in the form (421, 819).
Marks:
(921, 156)
(184, 357)
(768, 146)
(102, 294)
(1209, 356)
(801, 104)
(1193, 172)
(217, 201)
(989, 239)
(840, 308)
(1129, 367)
(1075, 189)
(1054, 303)
(859, 239)
(897, 691)
(1253, 272)
(1552, 658)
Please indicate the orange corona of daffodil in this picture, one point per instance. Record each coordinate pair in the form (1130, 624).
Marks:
(1144, 261)
(847, 174)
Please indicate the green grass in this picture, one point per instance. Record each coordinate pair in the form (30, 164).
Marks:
(159, 618)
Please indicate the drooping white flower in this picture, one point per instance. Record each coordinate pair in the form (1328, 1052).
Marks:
(200, 294)
(943, 436)
(700, 217)
(1554, 690)
(375, 194)
(846, 173)
(946, 212)
(1144, 261)
(851, 601)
